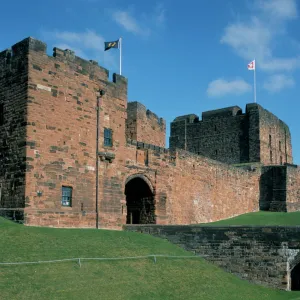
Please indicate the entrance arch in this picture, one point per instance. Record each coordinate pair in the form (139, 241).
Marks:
(295, 278)
(139, 200)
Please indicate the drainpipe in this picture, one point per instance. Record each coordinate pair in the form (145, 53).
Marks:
(102, 93)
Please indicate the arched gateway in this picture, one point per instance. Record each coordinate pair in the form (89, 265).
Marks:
(139, 200)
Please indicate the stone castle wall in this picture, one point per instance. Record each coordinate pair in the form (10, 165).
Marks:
(13, 105)
(145, 126)
(260, 254)
(52, 143)
(230, 136)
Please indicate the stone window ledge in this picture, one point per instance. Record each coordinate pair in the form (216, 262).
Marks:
(106, 156)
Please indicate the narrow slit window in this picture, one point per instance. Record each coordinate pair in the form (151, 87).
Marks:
(1, 114)
(271, 156)
(270, 140)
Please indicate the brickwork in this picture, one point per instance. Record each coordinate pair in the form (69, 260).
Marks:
(275, 139)
(145, 126)
(13, 144)
(263, 255)
(49, 141)
(230, 136)
(292, 186)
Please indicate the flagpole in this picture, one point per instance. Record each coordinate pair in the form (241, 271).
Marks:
(254, 81)
(120, 43)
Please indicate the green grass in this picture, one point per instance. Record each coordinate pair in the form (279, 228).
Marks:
(262, 218)
(128, 279)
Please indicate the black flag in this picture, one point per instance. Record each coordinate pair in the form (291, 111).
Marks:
(109, 45)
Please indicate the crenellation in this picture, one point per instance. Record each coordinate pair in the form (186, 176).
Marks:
(144, 125)
(66, 124)
(29, 44)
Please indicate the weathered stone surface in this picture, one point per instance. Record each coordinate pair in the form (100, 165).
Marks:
(261, 254)
(48, 140)
(230, 136)
(145, 126)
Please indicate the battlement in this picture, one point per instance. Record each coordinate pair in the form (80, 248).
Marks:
(222, 113)
(144, 125)
(33, 46)
(141, 111)
(233, 136)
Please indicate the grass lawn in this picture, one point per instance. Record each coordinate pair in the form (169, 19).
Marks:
(262, 218)
(127, 279)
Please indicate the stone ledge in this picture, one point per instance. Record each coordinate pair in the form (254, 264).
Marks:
(107, 156)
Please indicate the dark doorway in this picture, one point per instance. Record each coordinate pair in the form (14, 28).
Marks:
(140, 202)
(295, 278)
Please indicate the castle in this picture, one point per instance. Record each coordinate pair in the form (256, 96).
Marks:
(75, 153)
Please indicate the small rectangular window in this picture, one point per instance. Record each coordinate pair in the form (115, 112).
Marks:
(66, 199)
(279, 145)
(271, 156)
(107, 137)
(1, 114)
(270, 140)
(281, 160)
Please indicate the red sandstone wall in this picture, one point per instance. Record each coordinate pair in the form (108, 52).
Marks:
(293, 188)
(204, 190)
(61, 132)
(144, 126)
(62, 111)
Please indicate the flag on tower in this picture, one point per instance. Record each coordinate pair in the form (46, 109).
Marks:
(251, 65)
(109, 45)
(115, 44)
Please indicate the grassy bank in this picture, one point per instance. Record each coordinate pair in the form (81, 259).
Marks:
(127, 279)
(263, 218)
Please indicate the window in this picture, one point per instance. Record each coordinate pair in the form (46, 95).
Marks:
(107, 137)
(281, 160)
(270, 140)
(66, 199)
(279, 145)
(1, 114)
(271, 156)
(216, 152)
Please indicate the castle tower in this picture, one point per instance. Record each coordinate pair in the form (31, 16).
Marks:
(230, 136)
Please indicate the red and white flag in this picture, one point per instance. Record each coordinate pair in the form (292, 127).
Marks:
(251, 66)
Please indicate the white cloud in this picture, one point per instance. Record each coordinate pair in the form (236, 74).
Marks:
(145, 24)
(88, 45)
(257, 36)
(130, 24)
(285, 9)
(276, 83)
(221, 87)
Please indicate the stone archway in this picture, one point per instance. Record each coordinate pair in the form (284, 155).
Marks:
(139, 200)
(295, 278)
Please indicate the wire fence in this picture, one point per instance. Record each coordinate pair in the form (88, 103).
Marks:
(79, 260)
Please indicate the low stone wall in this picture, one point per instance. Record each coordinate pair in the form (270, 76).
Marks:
(261, 254)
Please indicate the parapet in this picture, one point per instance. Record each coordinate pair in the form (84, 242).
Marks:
(142, 112)
(191, 118)
(85, 67)
(222, 113)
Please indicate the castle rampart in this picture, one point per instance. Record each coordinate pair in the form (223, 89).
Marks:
(231, 136)
(144, 125)
(75, 153)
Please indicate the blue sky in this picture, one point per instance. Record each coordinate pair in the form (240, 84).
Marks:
(179, 57)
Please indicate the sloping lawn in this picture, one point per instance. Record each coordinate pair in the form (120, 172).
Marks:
(189, 278)
(262, 218)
